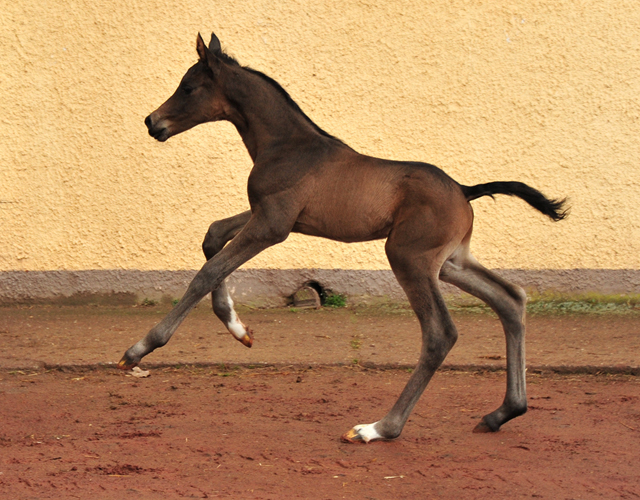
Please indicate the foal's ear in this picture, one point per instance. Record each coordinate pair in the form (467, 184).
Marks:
(206, 56)
(214, 44)
(201, 48)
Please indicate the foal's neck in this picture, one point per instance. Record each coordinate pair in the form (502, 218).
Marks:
(263, 115)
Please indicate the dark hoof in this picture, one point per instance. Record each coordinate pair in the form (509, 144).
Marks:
(126, 364)
(484, 427)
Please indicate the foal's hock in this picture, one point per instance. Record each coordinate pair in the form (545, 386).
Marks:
(306, 181)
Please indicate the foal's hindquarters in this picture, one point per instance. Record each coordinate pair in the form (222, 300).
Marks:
(429, 241)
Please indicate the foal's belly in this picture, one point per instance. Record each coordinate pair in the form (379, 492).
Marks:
(346, 233)
(347, 218)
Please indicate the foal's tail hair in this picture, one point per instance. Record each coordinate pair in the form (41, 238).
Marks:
(554, 209)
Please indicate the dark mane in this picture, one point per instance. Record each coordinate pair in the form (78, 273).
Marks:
(293, 104)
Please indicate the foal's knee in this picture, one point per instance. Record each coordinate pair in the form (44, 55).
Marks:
(214, 240)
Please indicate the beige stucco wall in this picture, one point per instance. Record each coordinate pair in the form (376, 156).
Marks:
(544, 92)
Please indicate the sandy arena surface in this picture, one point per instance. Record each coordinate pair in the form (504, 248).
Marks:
(75, 427)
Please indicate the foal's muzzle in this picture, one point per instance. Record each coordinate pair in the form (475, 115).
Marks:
(157, 130)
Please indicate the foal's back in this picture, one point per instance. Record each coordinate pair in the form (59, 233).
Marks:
(354, 197)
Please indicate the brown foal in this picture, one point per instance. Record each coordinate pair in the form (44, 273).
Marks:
(307, 181)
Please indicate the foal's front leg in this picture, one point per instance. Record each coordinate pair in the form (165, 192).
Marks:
(254, 238)
(219, 234)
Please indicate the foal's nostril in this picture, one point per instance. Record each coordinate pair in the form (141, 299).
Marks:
(147, 121)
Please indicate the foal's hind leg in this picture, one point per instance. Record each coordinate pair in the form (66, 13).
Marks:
(418, 276)
(508, 301)
(219, 233)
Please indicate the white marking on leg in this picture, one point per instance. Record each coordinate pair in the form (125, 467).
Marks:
(367, 432)
(235, 326)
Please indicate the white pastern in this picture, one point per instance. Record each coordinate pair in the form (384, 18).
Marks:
(236, 328)
(367, 432)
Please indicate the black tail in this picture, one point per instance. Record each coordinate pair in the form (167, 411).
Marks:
(554, 209)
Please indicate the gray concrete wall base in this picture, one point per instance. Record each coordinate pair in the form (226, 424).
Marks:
(275, 286)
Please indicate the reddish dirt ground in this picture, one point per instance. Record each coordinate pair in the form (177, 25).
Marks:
(74, 429)
(274, 434)
(37, 337)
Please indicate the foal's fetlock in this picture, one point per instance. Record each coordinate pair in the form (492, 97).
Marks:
(493, 421)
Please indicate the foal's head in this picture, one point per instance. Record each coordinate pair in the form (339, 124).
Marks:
(198, 98)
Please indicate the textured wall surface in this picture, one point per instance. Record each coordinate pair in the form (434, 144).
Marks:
(544, 92)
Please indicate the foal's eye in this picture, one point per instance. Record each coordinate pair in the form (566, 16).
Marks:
(187, 90)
